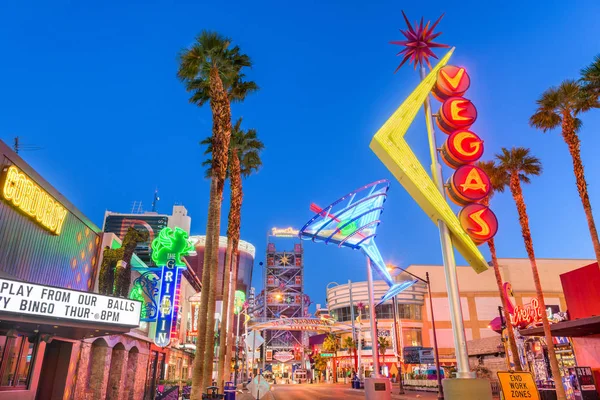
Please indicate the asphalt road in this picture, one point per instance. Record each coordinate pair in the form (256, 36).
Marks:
(322, 391)
(327, 391)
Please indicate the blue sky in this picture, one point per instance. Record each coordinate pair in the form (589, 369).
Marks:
(93, 83)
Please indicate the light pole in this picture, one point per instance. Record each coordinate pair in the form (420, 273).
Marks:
(435, 346)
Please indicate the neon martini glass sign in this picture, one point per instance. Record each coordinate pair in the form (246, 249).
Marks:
(352, 222)
(167, 250)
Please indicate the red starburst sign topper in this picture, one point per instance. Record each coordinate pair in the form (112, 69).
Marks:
(418, 43)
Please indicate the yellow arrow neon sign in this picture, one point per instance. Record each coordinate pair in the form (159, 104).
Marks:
(395, 153)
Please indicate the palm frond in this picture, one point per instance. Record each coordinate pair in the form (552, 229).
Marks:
(518, 160)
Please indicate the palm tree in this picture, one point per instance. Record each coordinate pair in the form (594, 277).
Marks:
(517, 165)
(560, 106)
(332, 344)
(211, 71)
(351, 345)
(590, 77)
(383, 345)
(244, 159)
(498, 181)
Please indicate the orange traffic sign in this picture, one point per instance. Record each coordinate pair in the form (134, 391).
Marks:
(518, 385)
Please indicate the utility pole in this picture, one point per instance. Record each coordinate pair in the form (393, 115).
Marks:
(16, 145)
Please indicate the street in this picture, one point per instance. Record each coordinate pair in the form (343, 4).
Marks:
(328, 391)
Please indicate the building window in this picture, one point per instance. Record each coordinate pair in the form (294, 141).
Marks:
(412, 337)
(16, 355)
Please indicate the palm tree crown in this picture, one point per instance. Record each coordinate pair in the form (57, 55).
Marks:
(245, 144)
(211, 51)
(590, 77)
(516, 161)
(557, 103)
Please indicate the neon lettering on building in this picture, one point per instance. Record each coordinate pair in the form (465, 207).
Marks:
(27, 196)
(284, 232)
(167, 250)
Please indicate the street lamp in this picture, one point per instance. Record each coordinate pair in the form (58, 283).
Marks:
(435, 346)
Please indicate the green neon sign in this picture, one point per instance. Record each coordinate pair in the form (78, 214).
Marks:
(240, 299)
(171, 244)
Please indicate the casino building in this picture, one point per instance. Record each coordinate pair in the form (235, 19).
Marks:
(479, 301)
(59, 339)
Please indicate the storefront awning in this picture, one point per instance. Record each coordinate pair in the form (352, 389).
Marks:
(575, 328)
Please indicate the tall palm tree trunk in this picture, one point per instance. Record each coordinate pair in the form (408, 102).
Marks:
(198, 365)
(233, 234)
(221, 136)
(517, 193)
(227, 307)
(511, 333)
(572, 140)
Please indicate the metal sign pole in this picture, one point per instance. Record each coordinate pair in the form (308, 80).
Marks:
(375, 344)
(456, 317)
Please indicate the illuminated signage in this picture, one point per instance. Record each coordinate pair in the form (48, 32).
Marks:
(451, 81)
(166, 304)
(479, 222)
(31, 199)
(240, 299)
(460, 148)
(456, 113)
(23, 298)
(392, 149)
(468, 184)
(297, 324)
(284, 232)
(167, 250)
(283, 356)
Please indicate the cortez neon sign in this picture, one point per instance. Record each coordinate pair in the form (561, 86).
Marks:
(27, 196)
(167, 250)
(284, 232)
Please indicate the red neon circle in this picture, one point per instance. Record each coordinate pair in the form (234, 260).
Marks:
(479, 222)
(468, 184)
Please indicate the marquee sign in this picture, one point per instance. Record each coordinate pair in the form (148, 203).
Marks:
(468, 185)
(283, 356)
(52, 302)
(167, 250)
(392, 149)
(297, 324)
(28, 197)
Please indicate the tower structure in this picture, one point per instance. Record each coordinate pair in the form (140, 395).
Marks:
(284, 297)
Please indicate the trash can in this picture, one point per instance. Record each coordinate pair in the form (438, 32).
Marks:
(229, 391)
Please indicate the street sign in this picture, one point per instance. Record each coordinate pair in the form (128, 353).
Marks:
(518, 385)
(426, 356)
(326, 354)
(254, 340)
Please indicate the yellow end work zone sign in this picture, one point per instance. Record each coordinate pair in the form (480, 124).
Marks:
(518, 385)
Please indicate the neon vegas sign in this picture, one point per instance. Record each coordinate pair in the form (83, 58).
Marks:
(27, 196)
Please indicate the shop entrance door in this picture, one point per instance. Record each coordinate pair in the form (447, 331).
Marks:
(55, 367)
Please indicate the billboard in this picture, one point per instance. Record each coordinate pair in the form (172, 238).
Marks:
(119, 223)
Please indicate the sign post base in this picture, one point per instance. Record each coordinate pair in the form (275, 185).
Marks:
(379, 389)
(462, 389)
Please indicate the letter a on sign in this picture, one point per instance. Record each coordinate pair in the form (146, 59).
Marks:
(518, 386)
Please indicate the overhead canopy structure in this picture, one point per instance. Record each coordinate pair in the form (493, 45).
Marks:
(301, 324)
(576, 328)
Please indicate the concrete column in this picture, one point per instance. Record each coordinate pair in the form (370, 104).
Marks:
(117, 373)
(98, 380)
(140, 377)
(83, 371)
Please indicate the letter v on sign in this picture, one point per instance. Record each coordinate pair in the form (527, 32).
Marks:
(395, 153)
(455, 81)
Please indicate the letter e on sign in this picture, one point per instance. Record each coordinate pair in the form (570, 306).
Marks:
(518, 386)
